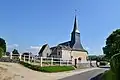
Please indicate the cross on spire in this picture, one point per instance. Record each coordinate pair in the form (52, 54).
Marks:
(75, 24)
(75, 12)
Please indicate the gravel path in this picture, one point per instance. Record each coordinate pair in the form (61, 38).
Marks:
(13, 71)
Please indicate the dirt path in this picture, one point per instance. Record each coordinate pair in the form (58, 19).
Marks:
(13, 71)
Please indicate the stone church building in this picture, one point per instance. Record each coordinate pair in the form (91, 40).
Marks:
(69, 50)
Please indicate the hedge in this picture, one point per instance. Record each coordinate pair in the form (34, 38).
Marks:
(108, 75)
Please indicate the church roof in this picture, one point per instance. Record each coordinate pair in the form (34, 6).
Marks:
(65, 43)
(63, 47)
(75, 43)
(43, 47)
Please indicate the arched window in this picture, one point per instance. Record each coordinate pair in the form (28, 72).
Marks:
(47, 55)
(59, 53)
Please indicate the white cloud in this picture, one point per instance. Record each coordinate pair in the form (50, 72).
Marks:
(33, 49)
(12, 46)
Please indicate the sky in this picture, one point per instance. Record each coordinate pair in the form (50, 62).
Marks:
(28, 24)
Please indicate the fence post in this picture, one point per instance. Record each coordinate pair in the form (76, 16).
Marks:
(51, 61)
(60, 61)
(67, 62)
(29, 58)
(11, 55)
(41, 61)
(24, 58)
(34, 59)
(20, 57)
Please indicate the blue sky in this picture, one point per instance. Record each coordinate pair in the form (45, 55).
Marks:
(28, 24)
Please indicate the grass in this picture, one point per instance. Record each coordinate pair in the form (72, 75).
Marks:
(49, 69)
(108, 75)
(56, 68)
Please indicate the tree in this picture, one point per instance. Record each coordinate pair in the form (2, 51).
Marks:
(7, 53)
(92, 57)
(3, 44)
(1, 52)
(96, 58)
(112, 44)
(26, 54)
(115, 65)
(15, 52)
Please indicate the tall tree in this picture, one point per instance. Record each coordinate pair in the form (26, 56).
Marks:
(112, 44)
(3, 44)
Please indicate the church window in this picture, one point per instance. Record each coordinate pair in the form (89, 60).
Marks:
(59, 53)
(47, 54)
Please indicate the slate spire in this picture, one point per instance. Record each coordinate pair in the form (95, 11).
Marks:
(75, 29)
(75, 37)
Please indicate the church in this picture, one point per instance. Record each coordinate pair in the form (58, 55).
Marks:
(69, 50)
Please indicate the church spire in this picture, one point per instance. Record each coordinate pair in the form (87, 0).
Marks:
(75, 37)
(75, 29)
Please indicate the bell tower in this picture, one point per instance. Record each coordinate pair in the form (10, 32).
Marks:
(75, 37)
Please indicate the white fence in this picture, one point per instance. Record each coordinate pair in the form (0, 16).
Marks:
(50, 61)
(42, 61)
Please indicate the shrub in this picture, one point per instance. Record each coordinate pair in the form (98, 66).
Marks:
(103, 63)
(108, 75)
(33, 67)
(1, 52)
(115, 64)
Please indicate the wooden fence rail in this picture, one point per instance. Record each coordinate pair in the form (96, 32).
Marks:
(42, 61)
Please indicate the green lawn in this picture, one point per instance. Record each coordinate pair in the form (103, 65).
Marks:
(48, 68)
(56, 68)
(108, 75)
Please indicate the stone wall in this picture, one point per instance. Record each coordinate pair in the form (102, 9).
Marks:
(86, 65)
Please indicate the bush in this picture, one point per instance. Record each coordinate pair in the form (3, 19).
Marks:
(103, 63)
(33, 67)
(48, 68)
(115, 64)
(1, 52)
(108, 75)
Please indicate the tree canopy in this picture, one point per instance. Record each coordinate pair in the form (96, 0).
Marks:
(112, 44)
(97, 58)
(3, 44)
(7, 53)
(15, 51)
(1, 52)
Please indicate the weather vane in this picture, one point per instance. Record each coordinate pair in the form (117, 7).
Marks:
(75, 12)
